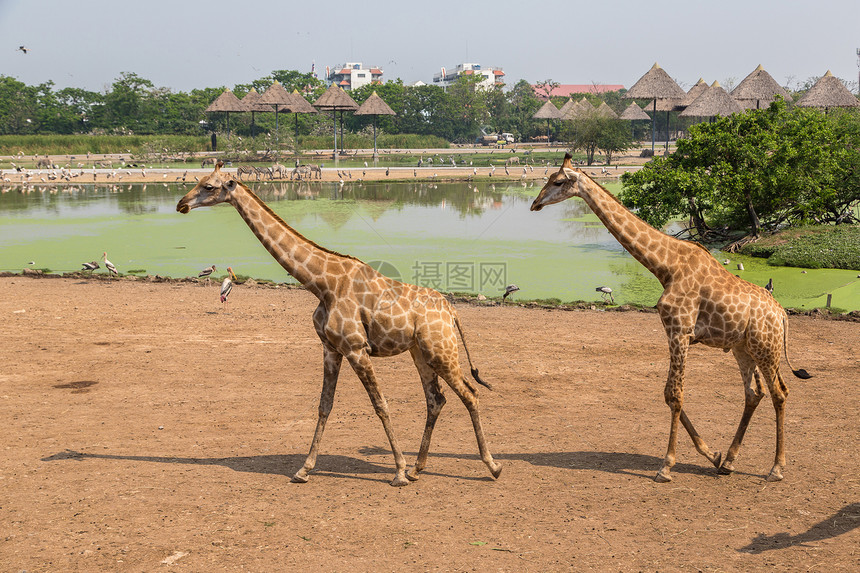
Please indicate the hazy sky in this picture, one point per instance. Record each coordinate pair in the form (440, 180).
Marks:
(184, 45)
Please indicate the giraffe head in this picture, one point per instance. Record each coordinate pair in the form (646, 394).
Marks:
(212, 189)
(563, 184)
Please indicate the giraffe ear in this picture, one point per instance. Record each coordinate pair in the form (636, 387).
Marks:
(229, 185)
(569, 173)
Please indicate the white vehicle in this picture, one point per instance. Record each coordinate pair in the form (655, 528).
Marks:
(507, 137)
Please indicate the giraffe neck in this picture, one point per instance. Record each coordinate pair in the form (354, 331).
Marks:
(302, 258)
(656, 251)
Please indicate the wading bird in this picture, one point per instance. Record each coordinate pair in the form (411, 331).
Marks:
(227, 286)
(206, 272)
(769, 286)
(91, 266)
(509, 290)
(604, 292)
(109, 265)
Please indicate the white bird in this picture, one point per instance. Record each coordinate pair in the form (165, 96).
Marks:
(604, 292)
(91, 266)
(109, 265)
(510, 289)
(227, 286)
(206, 272)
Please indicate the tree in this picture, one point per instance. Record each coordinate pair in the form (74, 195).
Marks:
(761, 169)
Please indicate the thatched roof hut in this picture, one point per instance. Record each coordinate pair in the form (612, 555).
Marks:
(275, 96)
(335, 98)
(758, 90)
(226, 102)
(634, 112)
(715, 101)
(604, 110)
(666, 93)
(565, 109)
(547, 111)
(374, 105)
(251, 101)
(579, 110)
(828, 92)
(694, 92)
(298, 104)
(655, 84)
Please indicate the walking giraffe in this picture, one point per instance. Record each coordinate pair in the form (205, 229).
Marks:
(701, 303)
(362, 313)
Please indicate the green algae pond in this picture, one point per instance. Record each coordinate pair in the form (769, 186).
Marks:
(458, 237)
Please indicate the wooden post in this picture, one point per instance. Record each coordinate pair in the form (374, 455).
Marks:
(829, 298)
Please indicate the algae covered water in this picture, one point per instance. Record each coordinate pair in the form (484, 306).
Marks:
(459, 237)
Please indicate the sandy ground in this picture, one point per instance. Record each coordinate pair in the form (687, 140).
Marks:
(148, 428)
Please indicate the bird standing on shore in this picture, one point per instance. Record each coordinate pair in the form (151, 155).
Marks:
(91, 266)
(206, 272)
(509, 290)
(604, 292)
(227, 286)
(769, 286)
(110, 266)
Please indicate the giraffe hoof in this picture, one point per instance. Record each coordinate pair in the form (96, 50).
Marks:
(718, 457)
(775, 475)
(399, 481)
(412, 475)
(496, 470)
(663, 476)
(300, 478)
(726, 469)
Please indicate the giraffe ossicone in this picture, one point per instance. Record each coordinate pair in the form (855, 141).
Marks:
(362, 313)
(702, 302)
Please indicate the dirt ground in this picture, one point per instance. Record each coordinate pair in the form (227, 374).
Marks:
(149, 429)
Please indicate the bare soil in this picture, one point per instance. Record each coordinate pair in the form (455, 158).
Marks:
(147, 428)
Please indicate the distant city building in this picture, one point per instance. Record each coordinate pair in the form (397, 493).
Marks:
(567, 90)
(492, 76)
(352, 75)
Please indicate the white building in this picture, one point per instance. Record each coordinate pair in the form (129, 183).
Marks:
(491, 76)
(352, 75)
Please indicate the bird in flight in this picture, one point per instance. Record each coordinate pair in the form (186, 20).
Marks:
(23, 49)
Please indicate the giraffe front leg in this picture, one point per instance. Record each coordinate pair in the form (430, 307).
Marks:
(331, 369)
(360, 362)
(674, 395)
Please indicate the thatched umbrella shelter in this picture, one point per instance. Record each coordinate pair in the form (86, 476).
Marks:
(565, 109)
(657, 85)
(694, 92)
(276, 96)
(549, 112)
(633, 113)
(603, 110)
(758, 90)
(298, 105)
(251, 101)
(579, 110)
(714, 101)
(374, 105)
(828, 92)
(226, 103)
(336, 100)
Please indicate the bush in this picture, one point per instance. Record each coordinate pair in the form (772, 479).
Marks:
(820, 247)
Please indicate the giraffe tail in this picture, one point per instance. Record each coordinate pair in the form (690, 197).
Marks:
(800, 373)
(472, 368)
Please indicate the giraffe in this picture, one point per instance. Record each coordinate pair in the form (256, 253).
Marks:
(361, 313)
(701, 303)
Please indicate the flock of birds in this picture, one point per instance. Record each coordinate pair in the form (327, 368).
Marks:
(226, 284)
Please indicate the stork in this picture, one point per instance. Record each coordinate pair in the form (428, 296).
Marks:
(110, 266)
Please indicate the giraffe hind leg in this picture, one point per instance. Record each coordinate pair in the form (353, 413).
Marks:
(435, 396)
(753, 393)
(451, 373)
